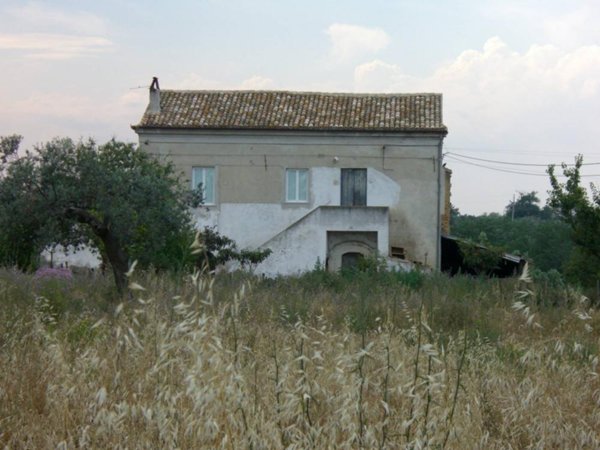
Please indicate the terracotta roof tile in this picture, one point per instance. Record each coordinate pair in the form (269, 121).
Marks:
(281, 110)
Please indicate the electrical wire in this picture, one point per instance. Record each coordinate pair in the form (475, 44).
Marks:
(498, 169)
(518, 164)
(516, 172)
(515, 151)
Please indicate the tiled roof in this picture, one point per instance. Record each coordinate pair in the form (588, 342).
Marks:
(279, 110)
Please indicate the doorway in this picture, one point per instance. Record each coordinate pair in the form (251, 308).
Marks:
(354, 187)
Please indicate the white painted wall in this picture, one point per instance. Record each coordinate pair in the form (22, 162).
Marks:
(381, 189)
(69, 257)
(299, 247)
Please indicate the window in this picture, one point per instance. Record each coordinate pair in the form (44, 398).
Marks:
(296, 182)
(354, 187)
(204, 178)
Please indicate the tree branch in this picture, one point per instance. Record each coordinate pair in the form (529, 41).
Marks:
(84, 216)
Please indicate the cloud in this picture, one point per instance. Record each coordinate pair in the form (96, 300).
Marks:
(40, 116)
(59, 105)
(352, 41)
(135, 98)
(568, 27)
(379, 76)
(257, 82)
(195, 81)
(576, 27)
(37, 31)
(36, 16)
(502, 84)
(54, 46)
(540, 105)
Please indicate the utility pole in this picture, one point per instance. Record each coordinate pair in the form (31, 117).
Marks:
(513, 208)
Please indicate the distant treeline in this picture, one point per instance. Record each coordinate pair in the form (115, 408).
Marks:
(539, 234)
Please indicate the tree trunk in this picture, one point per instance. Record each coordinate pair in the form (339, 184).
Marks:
(114, 251)
(118, 260)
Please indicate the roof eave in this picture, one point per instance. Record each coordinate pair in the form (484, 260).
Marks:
(443, 130)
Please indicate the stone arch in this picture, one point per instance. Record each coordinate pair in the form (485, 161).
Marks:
(349, 243)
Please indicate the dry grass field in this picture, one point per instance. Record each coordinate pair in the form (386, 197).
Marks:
(374, 361)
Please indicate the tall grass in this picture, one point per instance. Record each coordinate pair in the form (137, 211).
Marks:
(320, 361)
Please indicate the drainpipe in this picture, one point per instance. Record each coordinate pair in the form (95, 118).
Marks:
(438, 260)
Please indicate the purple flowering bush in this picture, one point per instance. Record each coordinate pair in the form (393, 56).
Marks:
(58, 273)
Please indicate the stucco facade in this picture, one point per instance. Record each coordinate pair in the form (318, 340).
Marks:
(404, 190)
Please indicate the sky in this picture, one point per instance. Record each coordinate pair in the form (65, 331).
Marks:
(520, 79)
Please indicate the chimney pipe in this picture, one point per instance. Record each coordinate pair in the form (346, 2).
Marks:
(154, 106)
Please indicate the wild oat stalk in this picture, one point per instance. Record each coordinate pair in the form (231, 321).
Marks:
(206, 374)
(456, 389)
(411, 417)
(385, 391)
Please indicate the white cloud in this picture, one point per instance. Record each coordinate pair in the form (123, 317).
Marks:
(35, 30)
(136, 98)
(351, 41)
(572, 24)
(502, 83)
(37, 16)
(379, 76)
(195, 81)
(40, 116)
(59, 105)
(542, 103)
(54, 46)
(257, 82)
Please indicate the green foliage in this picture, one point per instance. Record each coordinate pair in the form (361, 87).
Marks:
(482, 258)
(369, 272)
(214, 249)
(582, 214)
(368, 264)
(582, 268)
(57, 296)
(125, 202)
(527, 205)
(251, 258)
(9, 145)
(16, 246)
(454, 215)
(545, 243)
(80, 333)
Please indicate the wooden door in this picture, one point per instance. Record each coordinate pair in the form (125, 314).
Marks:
(354, 187)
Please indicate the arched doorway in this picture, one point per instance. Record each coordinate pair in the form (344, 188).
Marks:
(352, 260)
(345, 249)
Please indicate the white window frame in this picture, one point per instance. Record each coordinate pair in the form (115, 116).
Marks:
(294, 197)
(199, 174)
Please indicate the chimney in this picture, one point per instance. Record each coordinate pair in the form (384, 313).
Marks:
(154, 106)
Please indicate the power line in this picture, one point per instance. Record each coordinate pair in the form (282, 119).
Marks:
(517, 151)
(453, 158)
(517, 172)
(518, 164)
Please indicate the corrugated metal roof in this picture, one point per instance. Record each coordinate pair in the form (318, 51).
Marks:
(283, 110)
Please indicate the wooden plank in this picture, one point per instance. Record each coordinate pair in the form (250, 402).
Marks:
(360, 187)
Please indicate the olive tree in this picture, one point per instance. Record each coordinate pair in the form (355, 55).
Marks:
(122, 201)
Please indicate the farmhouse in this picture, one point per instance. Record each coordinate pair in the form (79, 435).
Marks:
(319, 178)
